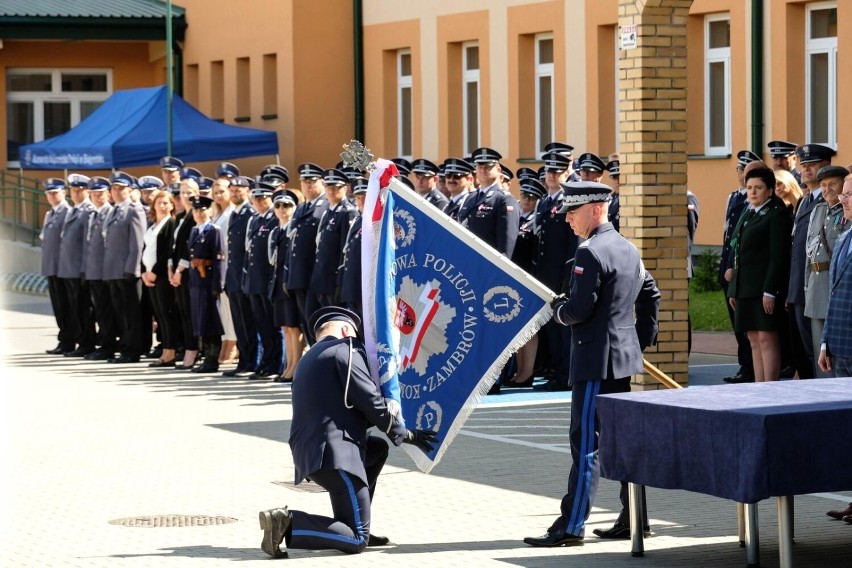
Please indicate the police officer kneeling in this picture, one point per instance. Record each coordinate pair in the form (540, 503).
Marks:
(335, 402)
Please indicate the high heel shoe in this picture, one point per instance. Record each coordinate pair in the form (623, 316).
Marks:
(160, 364)
(183, 367)
(514, 383)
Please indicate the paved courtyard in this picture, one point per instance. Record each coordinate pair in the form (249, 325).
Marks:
(87, 446)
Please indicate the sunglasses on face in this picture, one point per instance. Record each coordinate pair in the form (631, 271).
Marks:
(284, 205)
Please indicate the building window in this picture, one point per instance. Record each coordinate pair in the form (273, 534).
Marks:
(190, 89)
(717, 84)
(243, 89)
(270, 86)
(821, 73)
(43, 103)
(404, 103)
(544, 112)
(217, 90)
(470, 96)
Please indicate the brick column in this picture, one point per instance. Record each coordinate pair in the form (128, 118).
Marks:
(652, 99)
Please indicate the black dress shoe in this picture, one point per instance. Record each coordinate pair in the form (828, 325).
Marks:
(739, 378)
(495, 389)
(282, 379)
(555, 538)
(618, 532)
(207, 367)
(99, 356)
(126, 359)
(58, 350)
(275, 524)
(79, 352)
(525, 384)
(182, 367)
(234, 372)
(162, 364)
(376, 540)
(840, 513)
(262, 375)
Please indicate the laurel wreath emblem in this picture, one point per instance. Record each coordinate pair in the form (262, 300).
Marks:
(410, 230)
(436, 427)
(497, 318)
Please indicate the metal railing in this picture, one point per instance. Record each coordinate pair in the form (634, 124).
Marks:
(22, 207)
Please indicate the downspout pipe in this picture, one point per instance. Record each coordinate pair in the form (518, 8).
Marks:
(358, 67)
(757, 77)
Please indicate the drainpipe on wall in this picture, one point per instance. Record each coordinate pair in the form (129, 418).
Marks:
(757, 77)
(358, 67)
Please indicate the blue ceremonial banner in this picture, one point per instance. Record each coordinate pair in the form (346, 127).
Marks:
(443, 311)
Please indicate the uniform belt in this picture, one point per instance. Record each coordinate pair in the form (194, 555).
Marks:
(201, 265)
(819, 266)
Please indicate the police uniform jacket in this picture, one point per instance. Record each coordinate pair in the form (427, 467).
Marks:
(437, 199)
(349, 276)
(331, 238)
(826, 226)
(279, 249)
(734, 208)
(614, 211)
(206, 246)
(94, 255)
(237, 225)
(557, 243)
(492, 216)
(124, 234)
(257, 271)
(73, 238)
(334, 408)
(455, 205)
(50, 239)
(607, 283)
(761, 252)
(798, 254)
(303, 242)
(525, 248)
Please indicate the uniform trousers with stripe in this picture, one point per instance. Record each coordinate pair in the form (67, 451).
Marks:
(349, 530)
(585, 469)
(246, 331)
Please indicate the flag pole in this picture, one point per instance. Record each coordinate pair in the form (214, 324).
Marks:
(169, 77)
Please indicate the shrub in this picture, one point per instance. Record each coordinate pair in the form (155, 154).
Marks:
(706, 271)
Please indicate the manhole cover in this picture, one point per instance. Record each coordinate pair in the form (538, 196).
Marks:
(169, 521)
(305, 486)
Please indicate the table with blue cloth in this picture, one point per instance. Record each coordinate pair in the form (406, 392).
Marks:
(744, 442)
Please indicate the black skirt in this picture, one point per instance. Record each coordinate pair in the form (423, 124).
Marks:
(749, 315)
(285, 311)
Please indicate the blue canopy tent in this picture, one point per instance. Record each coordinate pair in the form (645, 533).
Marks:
(129, 129)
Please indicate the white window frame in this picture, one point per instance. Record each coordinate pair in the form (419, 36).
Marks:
(56, 95)
(713, 56)
(404, 82)
(470, 76)
(814, 47)
(543, 70)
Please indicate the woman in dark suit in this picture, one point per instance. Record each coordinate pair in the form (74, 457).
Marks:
(180, 264)
(155, 260)
(758, 279)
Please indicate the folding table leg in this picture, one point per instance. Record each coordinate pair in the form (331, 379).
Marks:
(637, 516)
(752, 539)
(741, 525)
(785, 531)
